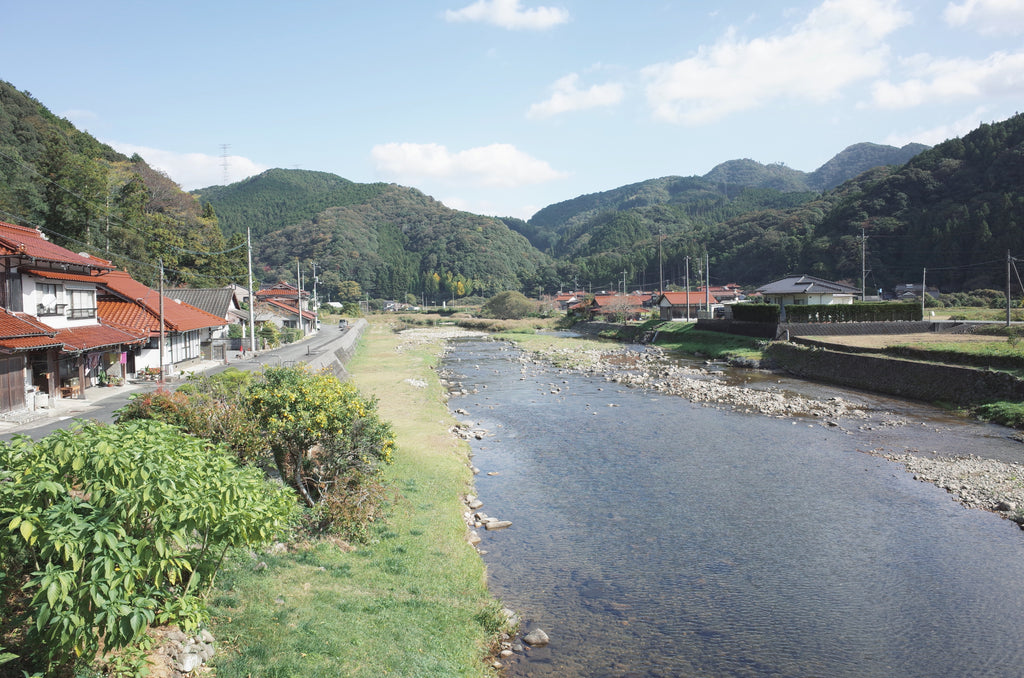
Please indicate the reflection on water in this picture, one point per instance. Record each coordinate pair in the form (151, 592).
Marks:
(653, 537)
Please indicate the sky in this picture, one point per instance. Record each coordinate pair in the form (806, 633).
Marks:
(502, 107)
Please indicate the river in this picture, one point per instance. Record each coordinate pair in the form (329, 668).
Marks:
(655, 537)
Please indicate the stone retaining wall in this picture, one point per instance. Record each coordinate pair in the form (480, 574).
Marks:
(894, 376)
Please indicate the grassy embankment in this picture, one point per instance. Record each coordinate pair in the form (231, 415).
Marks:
(685, 338)
(414, 601)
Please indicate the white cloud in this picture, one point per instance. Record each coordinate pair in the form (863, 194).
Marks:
(498, 165)
(567, 96)
(942, 80)
(988, 17)
(194, 170)
(508, 14)
(840, 42)
(936, 135)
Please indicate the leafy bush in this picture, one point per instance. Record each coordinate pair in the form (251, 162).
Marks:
(757, 313)
(121, 527)
(508, 306)
(1005, 413)
(268, 333)
(860, 312)
(324, 436)
(208, 407)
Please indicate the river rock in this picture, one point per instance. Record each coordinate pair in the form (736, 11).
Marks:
(497, 524)
(536, 638)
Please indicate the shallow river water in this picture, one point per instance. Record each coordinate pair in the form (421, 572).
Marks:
(654, 537)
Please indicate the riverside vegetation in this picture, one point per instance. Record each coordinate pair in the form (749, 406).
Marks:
(112, 530)
(409, 597)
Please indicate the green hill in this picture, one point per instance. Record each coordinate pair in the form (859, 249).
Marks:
(88, 197)
(390, 239)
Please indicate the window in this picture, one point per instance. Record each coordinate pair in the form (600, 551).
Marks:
(83, 303)
(48, 299)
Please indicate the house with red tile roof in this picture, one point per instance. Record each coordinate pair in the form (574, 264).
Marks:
(681, 305)
(52, 342)
(280, 304)
(128, 304)
(693, 305)
(617, 307)
(71, 321)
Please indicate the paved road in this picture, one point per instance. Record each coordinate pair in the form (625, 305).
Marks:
(101, 403)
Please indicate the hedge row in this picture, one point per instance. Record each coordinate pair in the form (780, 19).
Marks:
(756, 313)
(879, 311)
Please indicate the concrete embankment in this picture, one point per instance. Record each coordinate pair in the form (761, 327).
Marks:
(341, 350)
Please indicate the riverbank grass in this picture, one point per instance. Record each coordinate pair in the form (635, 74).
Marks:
(685, 338)
(411, 602)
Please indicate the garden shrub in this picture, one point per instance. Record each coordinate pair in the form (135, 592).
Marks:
(208, 407)
(323, 434)
(109, 529)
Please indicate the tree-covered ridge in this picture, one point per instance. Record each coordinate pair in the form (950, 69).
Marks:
(88, 197)
(402, 242)
(854, 160)
(725, 179)
(956, 210)
(278, 198)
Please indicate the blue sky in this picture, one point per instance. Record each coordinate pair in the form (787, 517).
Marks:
(503, 107)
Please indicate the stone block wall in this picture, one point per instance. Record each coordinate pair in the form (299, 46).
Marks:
(894, 376)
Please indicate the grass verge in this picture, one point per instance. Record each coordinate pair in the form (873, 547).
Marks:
(412, 602)
(685, 338)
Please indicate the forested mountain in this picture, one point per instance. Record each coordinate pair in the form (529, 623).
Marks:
(857, 159)
(389, 239)
(955, 210)
(277, 198)
(86, 196)
(723, 181)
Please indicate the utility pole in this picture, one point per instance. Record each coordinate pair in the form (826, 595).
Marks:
(252, 297)
(298, 295)
(687, 289)
(623, 282)
(1009, 262)
(863, 263)
(161, 302)
(314, 309)
(924, 277)
(707, 284)
(661, 267)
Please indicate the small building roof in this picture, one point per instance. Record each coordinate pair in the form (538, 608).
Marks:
(806, 284)
(31, 243)
(216, 300)
(92, 337)
(21, 332)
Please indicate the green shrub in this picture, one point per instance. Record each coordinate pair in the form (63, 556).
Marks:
(508, 306)
(882, 311)
(758, 313)
(1005, 413)
(123, 526)
(325, 437)
(268, 333)
(208, 407)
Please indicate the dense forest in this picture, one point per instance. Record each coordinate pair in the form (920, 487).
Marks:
(953, 210)
(390, 240)
(86, 196)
